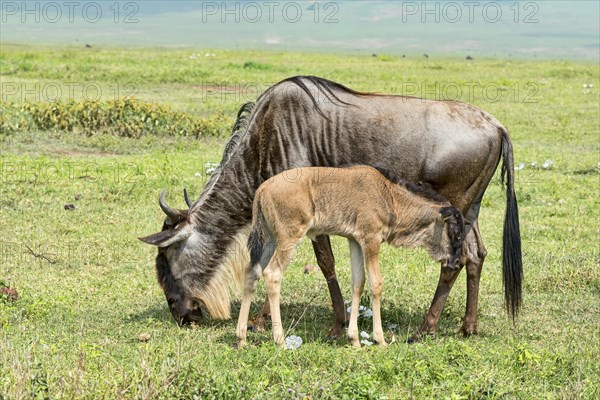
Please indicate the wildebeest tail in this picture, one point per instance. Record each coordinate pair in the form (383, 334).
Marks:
(256, 240)
(512, 263)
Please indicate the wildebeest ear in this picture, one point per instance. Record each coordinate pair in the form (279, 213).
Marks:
(168, 237)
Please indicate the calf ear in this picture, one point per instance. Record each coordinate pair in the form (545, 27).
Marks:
(446, 212)
(168, 237)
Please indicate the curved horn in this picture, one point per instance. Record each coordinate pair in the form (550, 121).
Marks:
(187, 199)
(171, 212)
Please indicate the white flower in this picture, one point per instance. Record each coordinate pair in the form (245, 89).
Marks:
(366, 342)
(547, 164)
(520, 166)
(362, 311)
(364, 335)
(293, 342)
(198, 174)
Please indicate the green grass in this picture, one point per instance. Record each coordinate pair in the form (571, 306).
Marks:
(88, 287)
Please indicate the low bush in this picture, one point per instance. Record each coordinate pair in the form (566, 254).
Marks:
(126, 117)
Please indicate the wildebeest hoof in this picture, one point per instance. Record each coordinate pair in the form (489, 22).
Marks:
(413, 339)
(418, 337)
(468, 332)
(334, 335)
(336, 332)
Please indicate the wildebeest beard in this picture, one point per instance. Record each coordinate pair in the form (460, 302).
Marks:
(192, 285)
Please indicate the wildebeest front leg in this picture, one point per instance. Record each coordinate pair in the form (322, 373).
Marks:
(475, 255)
(326, 261)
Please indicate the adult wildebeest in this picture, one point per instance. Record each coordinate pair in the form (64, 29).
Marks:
(358, 203)
(310, 121)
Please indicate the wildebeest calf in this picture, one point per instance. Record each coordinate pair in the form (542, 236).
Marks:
(358, 203)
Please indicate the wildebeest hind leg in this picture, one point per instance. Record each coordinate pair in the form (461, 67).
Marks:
(326, 261)
(475, 255)
(447, 279)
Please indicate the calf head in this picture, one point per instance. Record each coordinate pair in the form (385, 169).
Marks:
(453, 236)
(175, 252)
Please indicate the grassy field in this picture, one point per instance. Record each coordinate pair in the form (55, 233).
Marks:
(88, 289)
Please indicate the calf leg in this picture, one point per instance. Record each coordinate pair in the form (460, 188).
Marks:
(475, 254)
(326, 262)
(252, 276)
(358, 283)
(371, 256)
(324, 255)
(273, 275)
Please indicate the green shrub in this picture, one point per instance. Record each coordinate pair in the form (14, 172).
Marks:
(124, 117)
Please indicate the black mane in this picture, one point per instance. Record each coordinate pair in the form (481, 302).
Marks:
(238, 132)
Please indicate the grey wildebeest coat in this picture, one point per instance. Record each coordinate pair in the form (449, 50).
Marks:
(309, 121)
(358, 203)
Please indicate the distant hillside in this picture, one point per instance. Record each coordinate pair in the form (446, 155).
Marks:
(549, 29)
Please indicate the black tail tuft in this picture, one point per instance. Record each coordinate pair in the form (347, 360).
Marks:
(512, 263)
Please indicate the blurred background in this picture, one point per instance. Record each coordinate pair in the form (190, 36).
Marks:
(520, 29)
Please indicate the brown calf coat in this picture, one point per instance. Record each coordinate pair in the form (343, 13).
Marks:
(358, 203)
